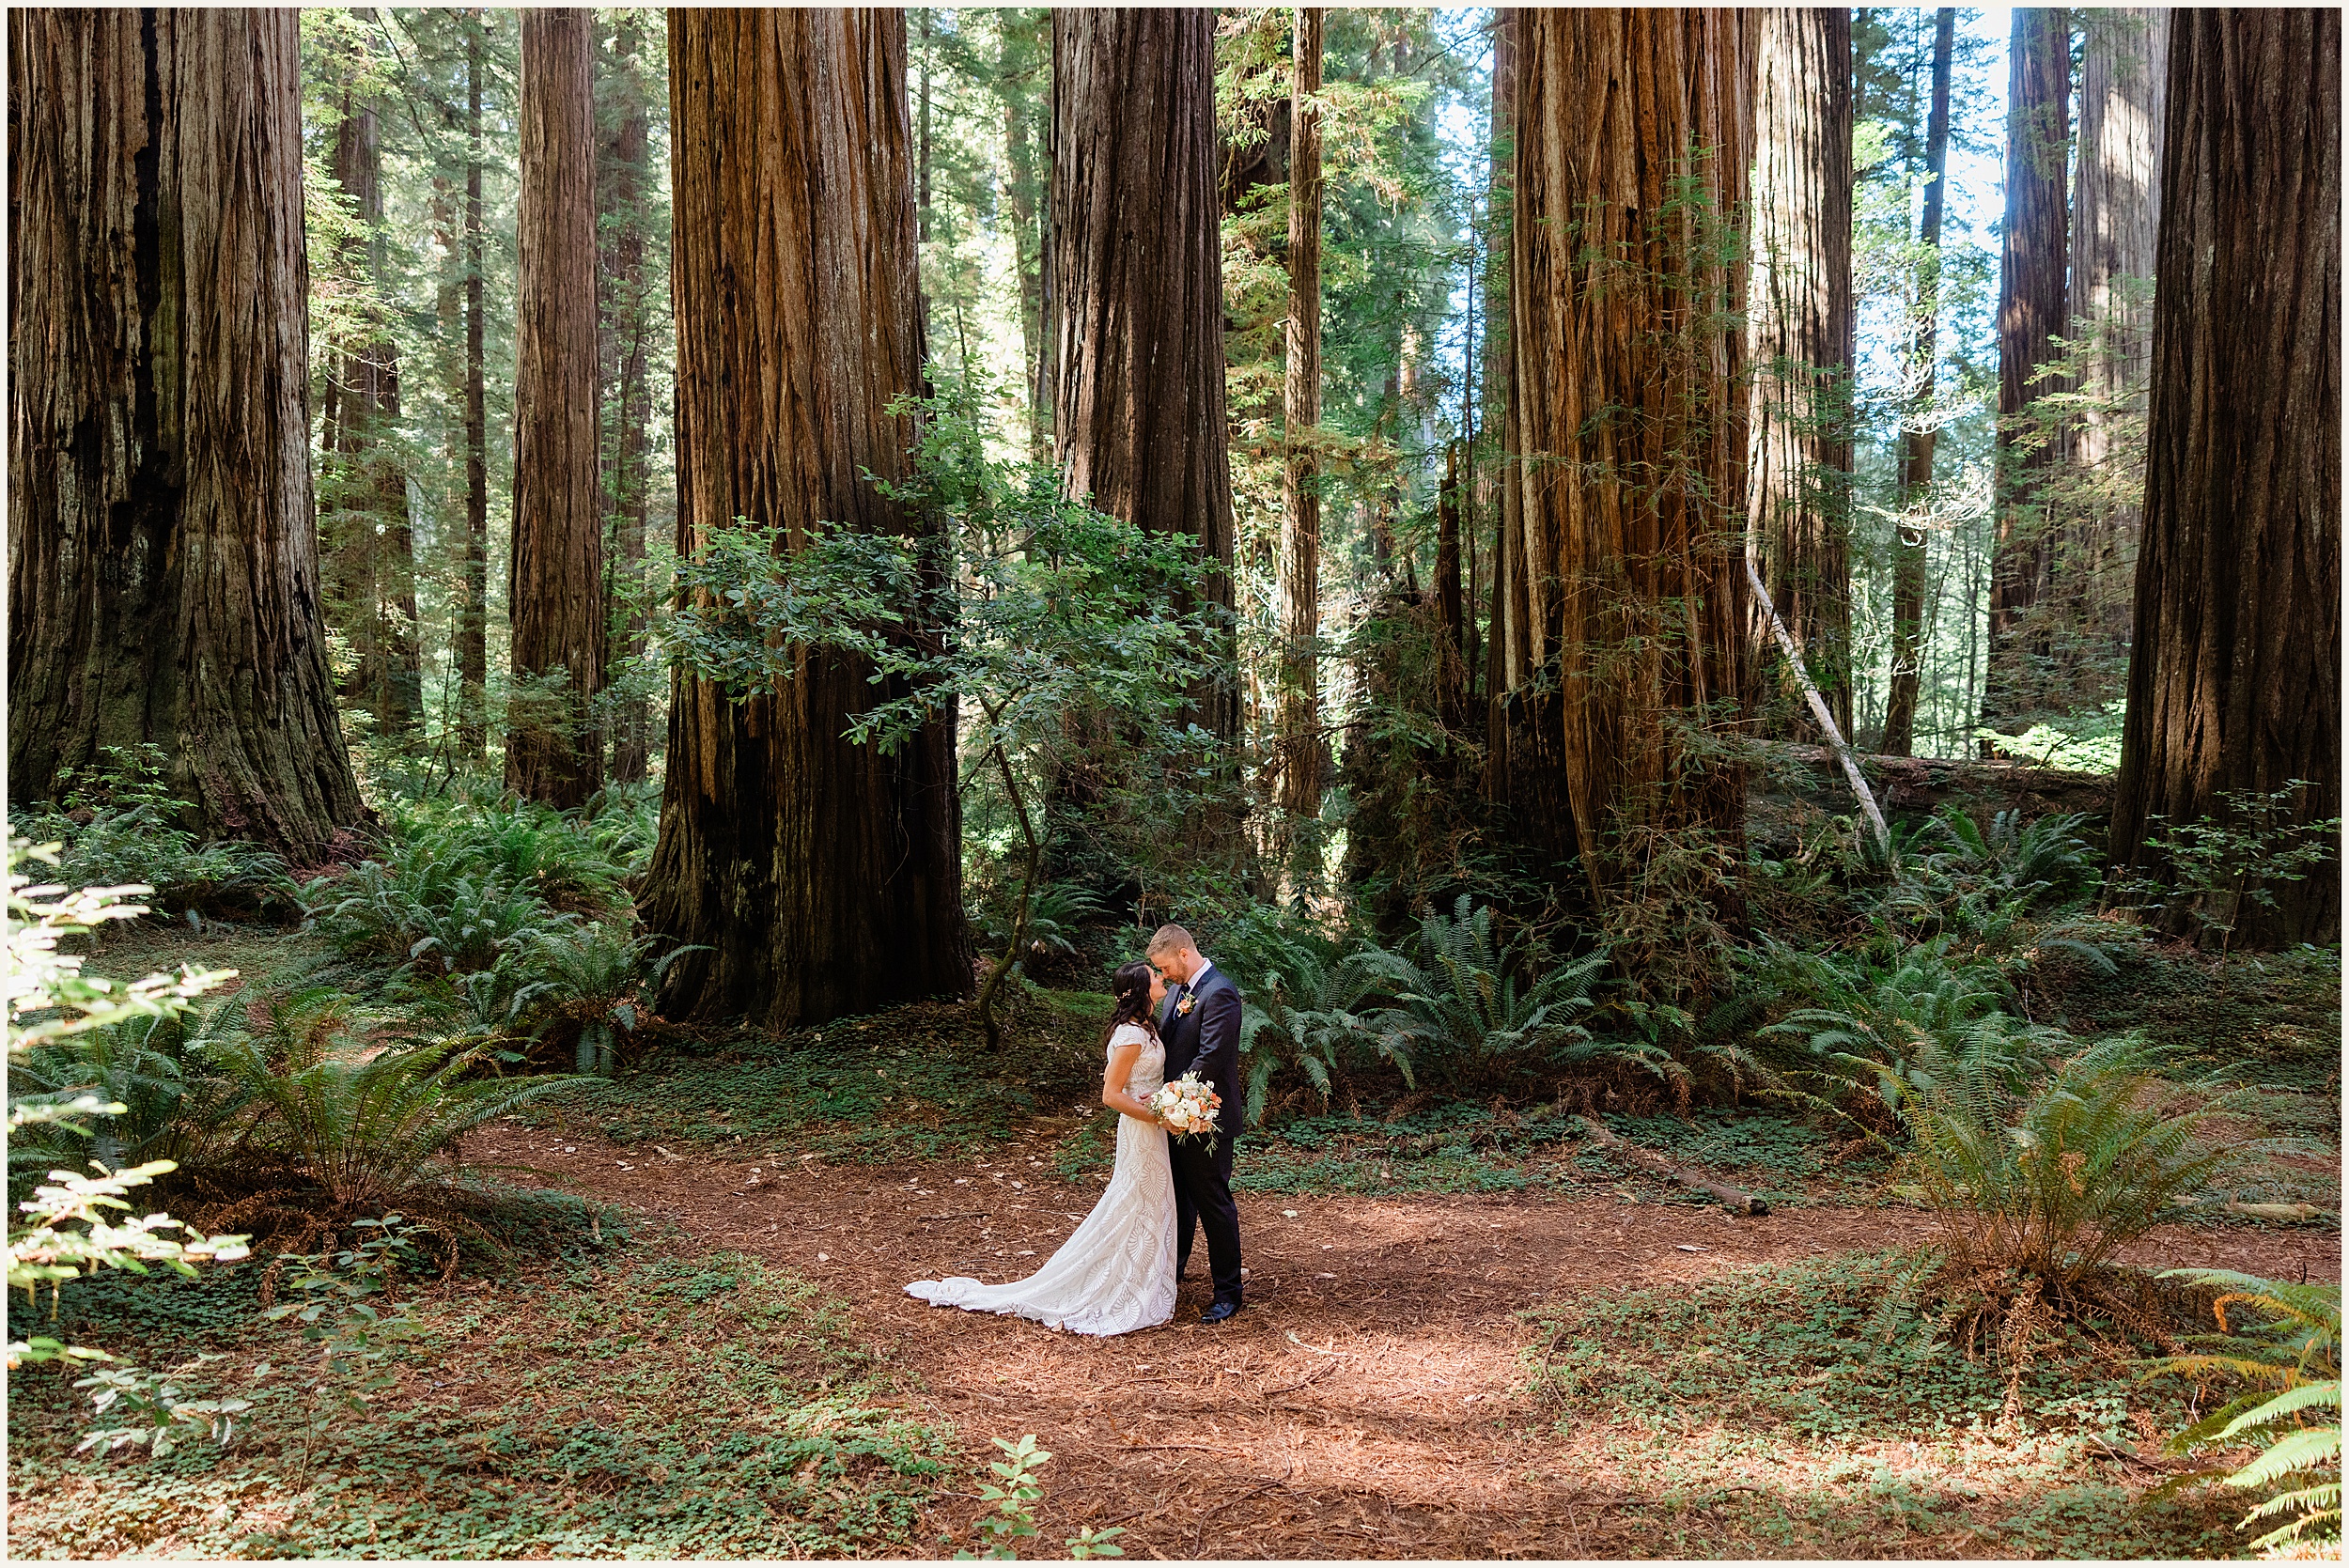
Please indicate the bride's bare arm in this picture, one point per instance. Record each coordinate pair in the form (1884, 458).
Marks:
(1113, 1094)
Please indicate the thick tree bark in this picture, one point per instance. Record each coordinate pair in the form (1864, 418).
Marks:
(162, 558)
(368, 546)
(2235, 673)
(1299, 589)
(626, 330)
(825, 876)
(2115, 211)
(1630, 407)
(1920, 425)
(1136, 284)
(2031, 262)
(555, 578)
(1801, 342)
(473, 596)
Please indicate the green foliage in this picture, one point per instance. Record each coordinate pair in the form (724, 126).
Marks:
(2051, 1179)
(2289, 1353)
(735, 1412)
(1466, 1009)
(2217, 871)
(159, 1410)
(318, 1105)
(121, 823)
(2039, 859)
(1301, 1015)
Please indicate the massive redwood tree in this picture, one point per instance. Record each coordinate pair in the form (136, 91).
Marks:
(1299, 717)
(1136, 282)
(825, 877)
(553, 751)
(1800, 342)
(1632, 414)
(163, 560)
(629, 314)
(2032, 257)
(2234, 671)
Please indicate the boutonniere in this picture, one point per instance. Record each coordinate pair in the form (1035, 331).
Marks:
(1183, 1007)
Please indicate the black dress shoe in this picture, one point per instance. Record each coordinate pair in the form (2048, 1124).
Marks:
(1218, 1310)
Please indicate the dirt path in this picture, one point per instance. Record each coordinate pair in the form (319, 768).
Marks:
(1358, 1407)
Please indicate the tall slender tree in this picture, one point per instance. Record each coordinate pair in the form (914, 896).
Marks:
(473, 599)
(2116, 205)
(1801, 343)
(824, 876)
(2234, 670)
(1919, 422)
(1299, 715)
(553, 749)
(627, 306)
(368, 549)
(1136, 284)
(2032, 258)
(164, 569)
(1633, 140)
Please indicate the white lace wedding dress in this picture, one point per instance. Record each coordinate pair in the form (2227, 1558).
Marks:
(1116, 1274)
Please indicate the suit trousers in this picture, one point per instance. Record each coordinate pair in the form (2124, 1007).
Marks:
(1202, 1201)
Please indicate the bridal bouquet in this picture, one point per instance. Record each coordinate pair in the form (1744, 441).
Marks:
(1188, 1105)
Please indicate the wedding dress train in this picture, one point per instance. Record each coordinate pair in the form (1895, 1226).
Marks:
(1117, 1273)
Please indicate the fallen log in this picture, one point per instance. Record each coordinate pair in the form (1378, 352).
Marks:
(1735, 1200)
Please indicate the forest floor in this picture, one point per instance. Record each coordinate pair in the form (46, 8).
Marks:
(1373, 1400)
(1470, 1332)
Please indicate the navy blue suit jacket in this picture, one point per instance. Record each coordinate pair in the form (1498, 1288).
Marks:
(1207, 1039)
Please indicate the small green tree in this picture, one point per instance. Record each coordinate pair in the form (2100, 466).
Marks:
(1051, 608)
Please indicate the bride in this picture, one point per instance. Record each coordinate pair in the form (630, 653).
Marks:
(1116, 1274)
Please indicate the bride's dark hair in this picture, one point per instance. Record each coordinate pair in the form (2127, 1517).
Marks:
(1131, 985)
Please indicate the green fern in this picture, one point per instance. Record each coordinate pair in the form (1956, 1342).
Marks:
(311, 1101)
(2291, 1359)
(2052, 1177)
(1461, 1012)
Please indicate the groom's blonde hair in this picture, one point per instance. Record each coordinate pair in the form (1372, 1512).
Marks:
(1171, 939)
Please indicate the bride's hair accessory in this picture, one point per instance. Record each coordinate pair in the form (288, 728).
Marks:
(1130, 986)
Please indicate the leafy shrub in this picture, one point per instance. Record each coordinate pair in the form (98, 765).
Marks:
(592, 979)
(414, 907)
(1460, 1011)
(67, 1229)
(120, 825)
(2292, 1361)
(2051, 1179)
(2036, 861)
(1299, 1017)
(318, 1111)
(2217, 872)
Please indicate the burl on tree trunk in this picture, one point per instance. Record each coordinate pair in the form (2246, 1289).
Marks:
(164, 569)
(826, 876)
(2234, 671)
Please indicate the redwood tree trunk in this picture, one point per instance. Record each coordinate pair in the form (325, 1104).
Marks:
(2031, 263)
(367, 544)
(1800, 342)
(553, 749)
(1136, 284)
(163, 560)
(2115, 212)
(1918, 429)
(2235, 673)
(627, 329)
(826, 876)
(1630, 408)
(1300, 711)
(472, 607)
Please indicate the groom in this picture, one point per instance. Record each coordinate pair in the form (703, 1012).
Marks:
(1200, 1026)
